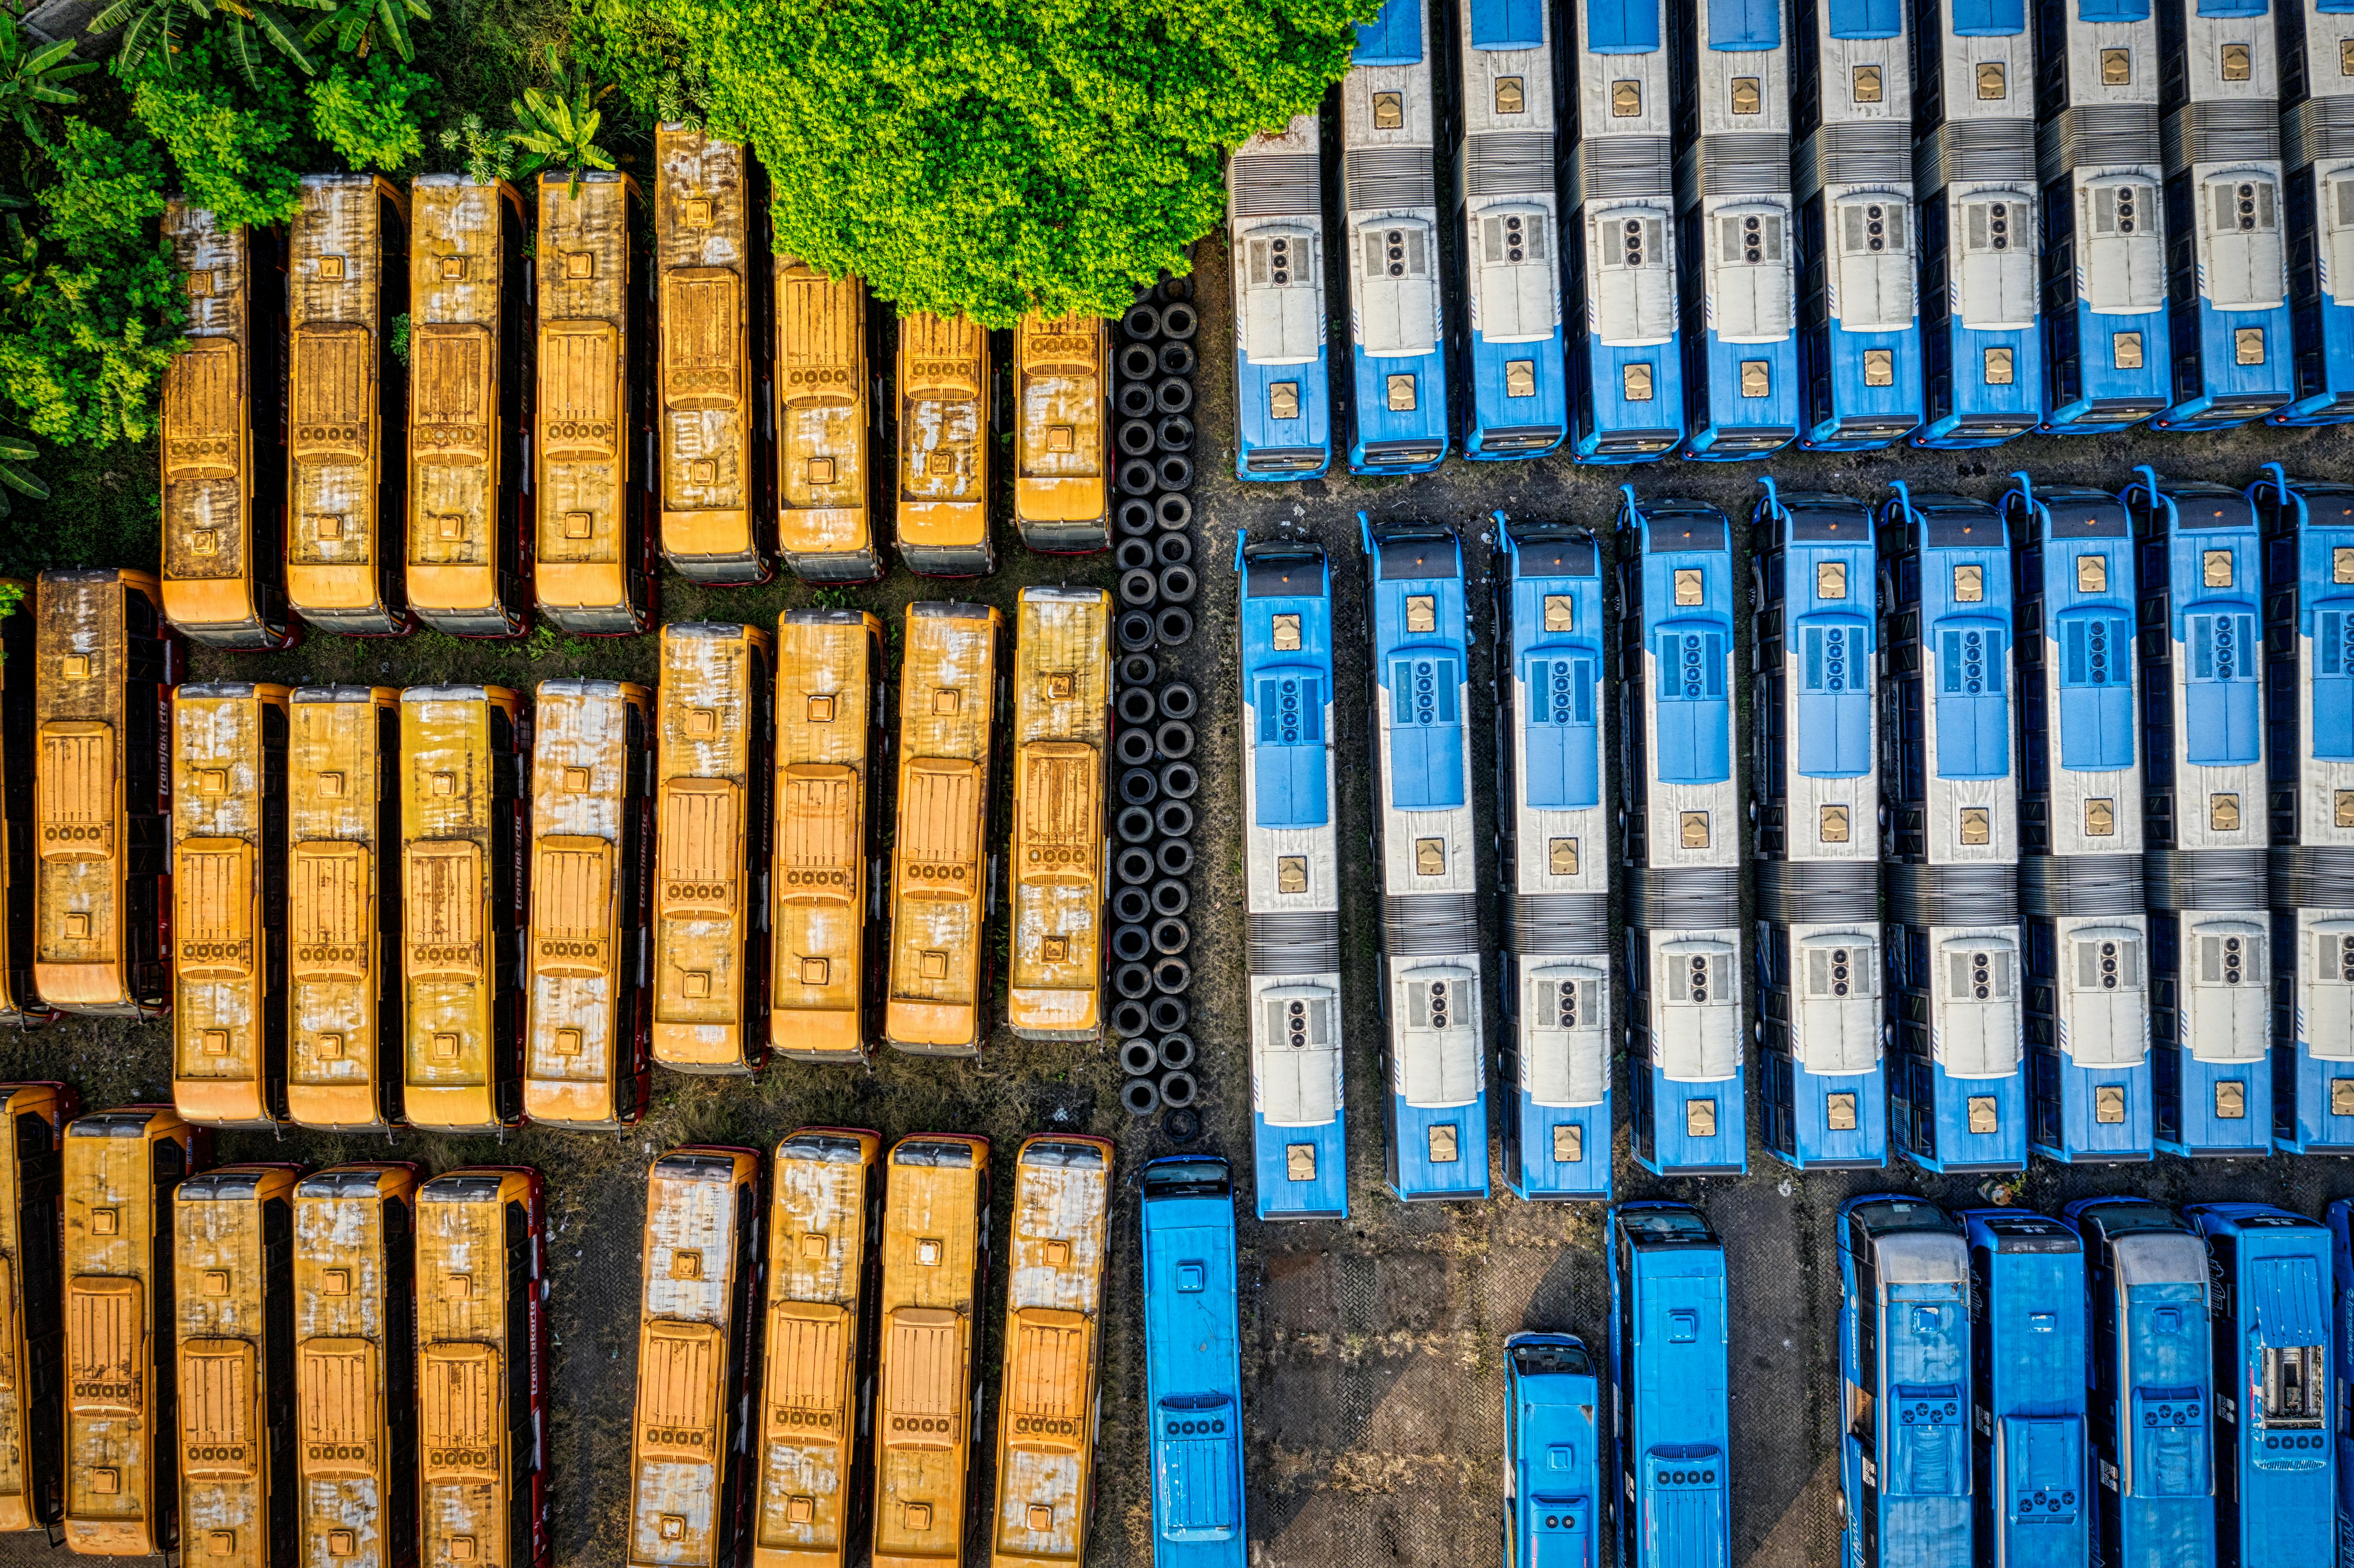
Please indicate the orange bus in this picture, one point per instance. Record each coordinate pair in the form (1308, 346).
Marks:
(711, 938)
(1062, 467)
(228, 895)
(122, 1485)
(690, 1435)
(943, 880)
(1062, 740)
(595, 547)
(233, 1267)
(348, 405)
(711, 247)
(224, 437)
(826, 420)
(827, 995)
(826, 1222)
(102, 795)
(587, 1055)
(470, 362)
(356, 1384)
(32, 1298)
(343, 831)
(944, 447)
(20, 1004)
(1054, 1344)
(461, 841)
(935, 1268)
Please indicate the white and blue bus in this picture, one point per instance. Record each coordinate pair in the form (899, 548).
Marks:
(1735, 227)
(1397, 363)
(1275, 234)
(1293, 871)
(1556, 862)
(1814, 791)
(1435, 1099)
(1681, 807)
(2317, 159)
(1508, 326)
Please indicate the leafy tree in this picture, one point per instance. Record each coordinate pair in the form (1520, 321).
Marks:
(557, 129)
(151, 30)
(240, 150)
(30, 75)
(355, 25)
(364, 114)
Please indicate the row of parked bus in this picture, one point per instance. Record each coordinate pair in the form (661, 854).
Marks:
(442, 905)
(262, 1366)
(2001, 906)
(571, 402)
(1838, 222)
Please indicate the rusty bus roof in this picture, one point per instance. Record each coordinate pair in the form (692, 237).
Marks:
(207, 442)
(932, 1248)
(1062, 729)
(821, 412)
(947, 697)
(1063, 424)
(228, 1360)
(585, 259)
(457, 278)
(944, 443)
(827, 666)
(470, 1469)
(702, 250)
(338, 865)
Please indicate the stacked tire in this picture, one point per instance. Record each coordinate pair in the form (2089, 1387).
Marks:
(1154, 773)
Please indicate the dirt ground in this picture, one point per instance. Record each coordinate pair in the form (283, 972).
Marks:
(1371, 1347)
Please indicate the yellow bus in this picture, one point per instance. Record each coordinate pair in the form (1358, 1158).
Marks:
(229, 899)
(356, 1384)
(122, 1486)
(943, 880)
(595, 550)
(102, 795)
(587, 1057)
(481, 1375)
(346, 407)
(1062, 467)
(698, 1319)
(224, 442)
(827, 965)
(343, 922)
(1054, 1345)
(1062, 733)
(20, 1005)
(32, 1301)
(944, 447)
(462, 840)
(711, 939)
(824, 1221)
(470, 368)
(711, 248)
(826, 417)
(935, 1257)
(233, 1270)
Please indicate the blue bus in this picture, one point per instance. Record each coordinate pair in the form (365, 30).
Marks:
(2150, 1384)
(1681, 837)
(1556, 863)
(1193, 1365)
(2089, 1094)
(1823, 1089)
(1626, 371)
(1435, 1100)
(2203, 782)
(1859, 320)
(1291, 863)
(2275, 1479)
(2105, 338)
(1958, 1090)
(1981, 333)
(2340, 1218)
(1389, 192)
(2320, 199)
(2034, 1506)
(1275, 233)
(1507, 324)
(2308, 531)
(1670, 1418)
(2227, 282)
(1735, 227)
(1553, 1499)
(1904, 1371)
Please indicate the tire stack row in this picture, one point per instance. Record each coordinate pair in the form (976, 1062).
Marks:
(1154, 776)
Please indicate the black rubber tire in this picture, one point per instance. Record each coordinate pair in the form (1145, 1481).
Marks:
(1173, 626)
(1134, 747)
(1134, 824)
(1139, 786)
(1142, 322)
(1135, 865)
(1133, 980)
(1173, 394)
(1138, 589)
(1174, 858)
(1175, 471)
(1179, 780)
(1174, 433)
(1136, 705)
(1135, 515)
(1170, 936)
(1179, 321)
(1169, 895)
(1138, 476)
(1177, 1090)
(1129, 1018)
(1138, 437)
(1176, 1051)
(1131, 944)
(1138, 669)
(1132, 906)
(1183, 1125)
(1131, 553)
(1178, 700)
(1136, 399)
(1178, 585)
(1173, 740)
(1136, 363)
(1135, 1061)
(1173, 511)
(1137, 630)
(1140, 1095)
(1176, 288)
(1176, 359)
(1172, 975)
(1174, 818)
(1171, 1014)
(1173, 550)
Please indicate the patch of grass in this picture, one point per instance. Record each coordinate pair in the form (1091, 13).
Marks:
(102, 511)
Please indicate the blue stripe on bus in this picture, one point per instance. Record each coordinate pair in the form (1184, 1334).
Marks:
(1507, 24)
(1865, 19)
(1745, 23)
(1622, 27)
(1393, 38)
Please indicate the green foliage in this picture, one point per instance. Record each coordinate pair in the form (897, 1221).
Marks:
(487, 155)
(30, 75)
(154, 32)
(101, 511)
(364, 114)
(557, 129)
(240, 150)
(396, 340)
(358, 25)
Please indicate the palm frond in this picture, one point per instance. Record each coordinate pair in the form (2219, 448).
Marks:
(15, 451)
(23, 483)
(394, 21)
(281, 34)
